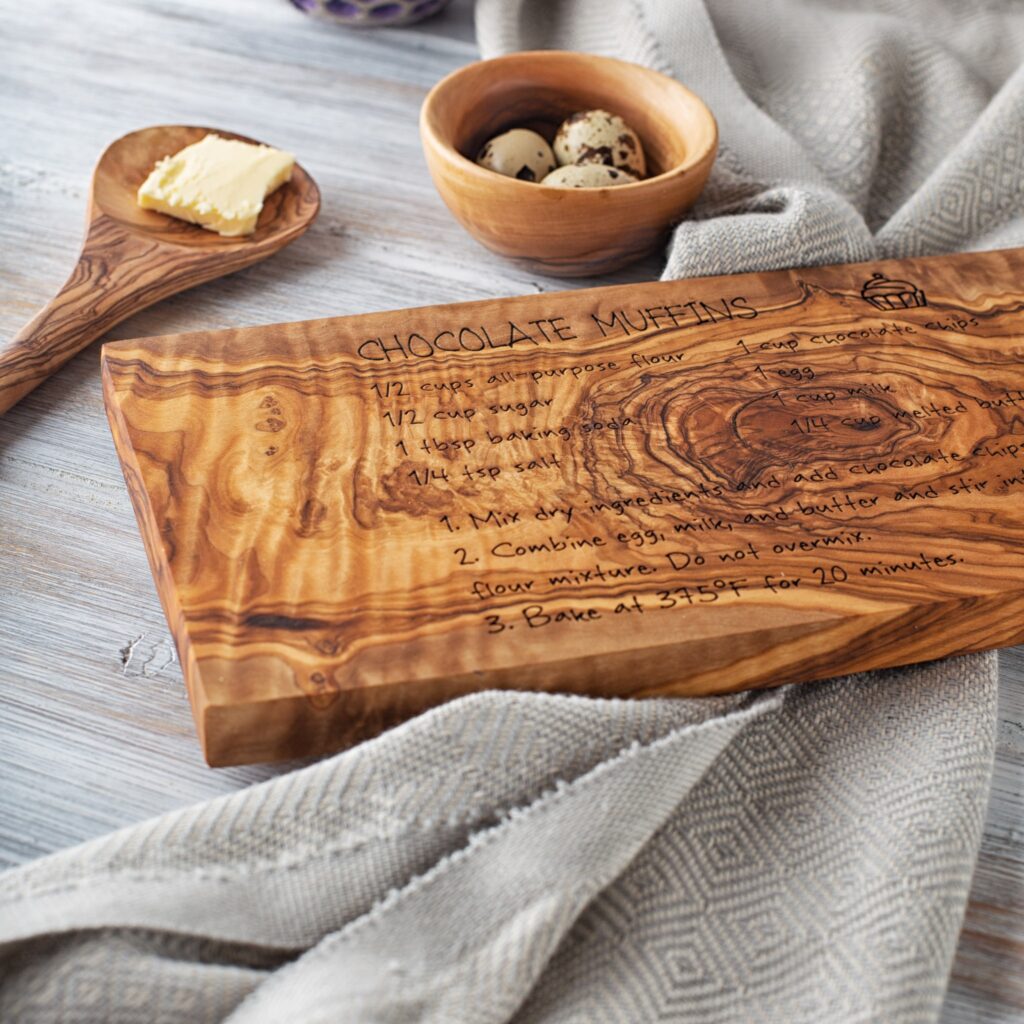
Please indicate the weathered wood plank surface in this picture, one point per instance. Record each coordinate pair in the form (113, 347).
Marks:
(95, 730)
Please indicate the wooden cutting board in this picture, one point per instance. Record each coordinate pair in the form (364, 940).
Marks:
(685, 487)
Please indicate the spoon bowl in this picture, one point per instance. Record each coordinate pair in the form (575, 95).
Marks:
(132, 257)
(126, 163)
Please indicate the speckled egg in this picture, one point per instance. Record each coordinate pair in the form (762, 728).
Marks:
(518, 153)
(588, 176)
(598, 137)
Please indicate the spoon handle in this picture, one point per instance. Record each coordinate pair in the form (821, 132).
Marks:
(112, 279)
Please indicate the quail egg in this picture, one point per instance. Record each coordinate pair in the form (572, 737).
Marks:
(588, 176)
(596, 136)
(518, 153)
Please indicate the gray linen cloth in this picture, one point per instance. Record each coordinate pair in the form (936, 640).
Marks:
(795, 855)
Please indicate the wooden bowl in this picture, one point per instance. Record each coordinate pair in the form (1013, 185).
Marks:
(566, 232)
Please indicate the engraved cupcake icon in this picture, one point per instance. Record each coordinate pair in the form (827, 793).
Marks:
(886, 294)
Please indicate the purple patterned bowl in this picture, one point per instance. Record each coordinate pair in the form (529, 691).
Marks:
(372, 12)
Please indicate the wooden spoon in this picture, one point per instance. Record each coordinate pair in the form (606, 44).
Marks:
(132, 257)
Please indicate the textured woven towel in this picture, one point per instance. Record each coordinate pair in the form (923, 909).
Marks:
(793, 856)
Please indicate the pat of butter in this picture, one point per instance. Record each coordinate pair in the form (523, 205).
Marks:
(217, 183)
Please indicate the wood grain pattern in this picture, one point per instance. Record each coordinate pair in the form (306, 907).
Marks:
(566, 232)
(675, 488)
(95, 729)
(132, 258)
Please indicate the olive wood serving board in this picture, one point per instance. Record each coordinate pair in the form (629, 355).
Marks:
(684, 487)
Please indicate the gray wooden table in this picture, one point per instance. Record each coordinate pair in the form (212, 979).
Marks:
(95, 730)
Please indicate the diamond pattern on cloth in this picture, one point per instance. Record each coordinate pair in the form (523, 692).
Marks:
(795, 855)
